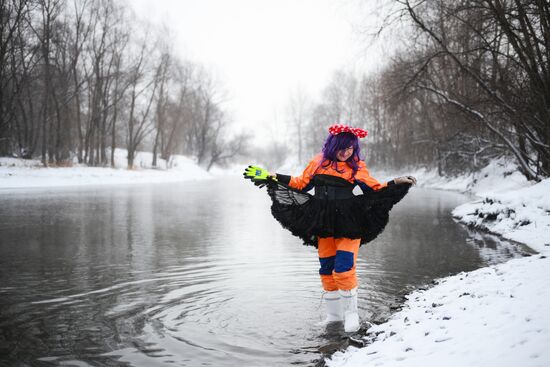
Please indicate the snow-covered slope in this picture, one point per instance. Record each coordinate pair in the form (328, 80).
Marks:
(495, 316)
(521, 215)
(18, 173)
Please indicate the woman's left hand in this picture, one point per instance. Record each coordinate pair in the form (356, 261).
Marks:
(405, 179)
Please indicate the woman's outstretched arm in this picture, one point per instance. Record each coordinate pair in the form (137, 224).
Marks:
(302, 181)
(367, 182)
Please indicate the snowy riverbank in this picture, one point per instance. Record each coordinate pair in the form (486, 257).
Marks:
(495, 316)
(18, 173)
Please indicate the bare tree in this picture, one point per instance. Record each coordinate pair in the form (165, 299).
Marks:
(49, 11)
(225, 149)
(208, 118)
(298, 113)
(163, 70)
(176, 113)
(497, 48)
(143, 84)
(12, 19)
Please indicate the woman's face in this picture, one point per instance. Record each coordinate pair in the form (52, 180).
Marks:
(344, 154)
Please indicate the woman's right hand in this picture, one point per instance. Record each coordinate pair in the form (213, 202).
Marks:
(405, 179)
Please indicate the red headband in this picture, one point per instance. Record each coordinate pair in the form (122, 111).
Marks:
(339, 128)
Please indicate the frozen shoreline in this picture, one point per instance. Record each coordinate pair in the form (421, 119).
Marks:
(18, 173)
(494, 316)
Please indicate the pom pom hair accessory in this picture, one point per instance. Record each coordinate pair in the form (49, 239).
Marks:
(339, 128)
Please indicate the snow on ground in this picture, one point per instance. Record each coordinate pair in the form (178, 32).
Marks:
(19, 173)
(494, 316)
(487, 317)
(501, 175)
(521, 215)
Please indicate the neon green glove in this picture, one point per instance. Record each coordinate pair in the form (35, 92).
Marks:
(257, 175)
(255, 172)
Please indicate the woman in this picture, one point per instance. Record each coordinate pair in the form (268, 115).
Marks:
(334, 220)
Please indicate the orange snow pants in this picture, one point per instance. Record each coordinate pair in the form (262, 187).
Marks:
(338, 257)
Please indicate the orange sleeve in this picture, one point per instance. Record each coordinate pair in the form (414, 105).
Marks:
(299, 182)
(364, 176)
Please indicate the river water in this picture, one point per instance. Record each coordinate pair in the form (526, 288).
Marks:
(198, 273)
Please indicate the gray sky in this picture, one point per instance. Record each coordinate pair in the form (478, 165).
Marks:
(263, 50)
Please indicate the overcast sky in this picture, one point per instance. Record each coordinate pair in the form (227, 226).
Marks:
(263, 50)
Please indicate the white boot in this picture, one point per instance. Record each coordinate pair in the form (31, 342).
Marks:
(351, 317)
(335, 311)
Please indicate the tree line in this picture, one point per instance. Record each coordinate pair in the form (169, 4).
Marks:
(470, 83)
(79, 78)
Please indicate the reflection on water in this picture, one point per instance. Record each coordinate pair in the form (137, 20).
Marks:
(197, 273)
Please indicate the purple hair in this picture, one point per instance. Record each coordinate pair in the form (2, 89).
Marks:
(334, 143)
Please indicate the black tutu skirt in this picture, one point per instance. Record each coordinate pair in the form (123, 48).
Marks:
(308, 217)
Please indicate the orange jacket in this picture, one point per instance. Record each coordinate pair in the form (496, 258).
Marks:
(362, 175)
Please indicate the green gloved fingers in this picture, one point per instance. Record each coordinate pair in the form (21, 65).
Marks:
(257, 175)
